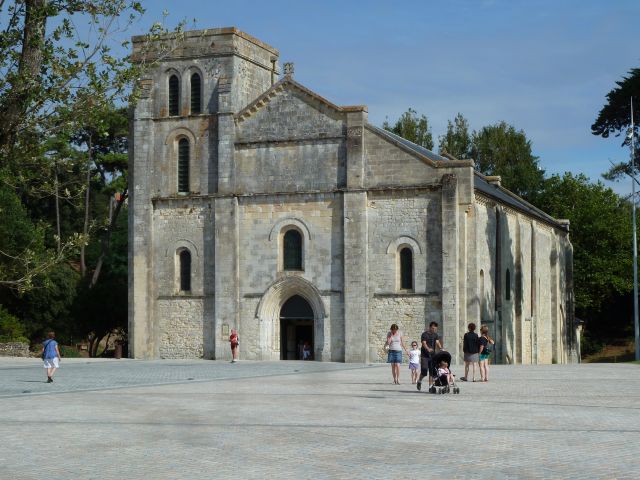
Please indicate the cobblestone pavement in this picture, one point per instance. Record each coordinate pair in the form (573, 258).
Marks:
(210, 420)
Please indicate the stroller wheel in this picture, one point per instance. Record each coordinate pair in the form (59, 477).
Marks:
(456, 390)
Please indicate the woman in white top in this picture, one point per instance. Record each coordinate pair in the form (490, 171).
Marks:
(394, 357)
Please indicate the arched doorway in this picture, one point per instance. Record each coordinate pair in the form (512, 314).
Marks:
(296, 328)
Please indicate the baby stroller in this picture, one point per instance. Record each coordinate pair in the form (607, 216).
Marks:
(441, 385)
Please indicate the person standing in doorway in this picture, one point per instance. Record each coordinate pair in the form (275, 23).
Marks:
(233, 340)
(471, 349)
(306, 350)
(50, 355)
(431, 342)
(394, 357)
(486, 347)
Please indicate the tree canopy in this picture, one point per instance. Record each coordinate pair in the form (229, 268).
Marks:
(600, 235)
(63, 163)
(457, 140)
(502, 150)
(615, 118)
(413, 128)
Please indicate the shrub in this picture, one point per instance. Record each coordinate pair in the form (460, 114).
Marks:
(589, 345)
(69, 352)
(11, 330)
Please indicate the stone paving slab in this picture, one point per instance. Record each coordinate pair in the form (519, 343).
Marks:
(133, 419)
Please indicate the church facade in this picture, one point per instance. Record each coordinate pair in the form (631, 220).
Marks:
(260, 206)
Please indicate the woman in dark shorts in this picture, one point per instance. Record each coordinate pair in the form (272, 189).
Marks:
(486, 346)
(471, 349)
(394, 357)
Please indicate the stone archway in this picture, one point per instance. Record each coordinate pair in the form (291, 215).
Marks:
(269, 310)
(296, 329)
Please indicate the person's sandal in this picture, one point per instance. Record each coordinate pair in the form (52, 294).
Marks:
(463, 379)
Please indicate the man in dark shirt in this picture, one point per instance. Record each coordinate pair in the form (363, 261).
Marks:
(431, 342)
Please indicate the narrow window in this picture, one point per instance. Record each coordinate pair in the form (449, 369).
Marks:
(406, 269)
(183, 165)
(196, 95)
(292, 254)
(185, 271)
(507, 286)
(174, 95)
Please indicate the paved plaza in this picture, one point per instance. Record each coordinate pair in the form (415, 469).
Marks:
(213, 420)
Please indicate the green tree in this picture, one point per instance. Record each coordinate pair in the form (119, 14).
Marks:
(413, 128)
(615, 118)
(22, 246)
(101, 309)
(11, 329)
(56, 79)
(601, 237)
(502, 150)
(457, 140)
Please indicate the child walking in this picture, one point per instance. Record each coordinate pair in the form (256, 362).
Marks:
(414, 362)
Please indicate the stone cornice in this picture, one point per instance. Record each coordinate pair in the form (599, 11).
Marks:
(287, 142)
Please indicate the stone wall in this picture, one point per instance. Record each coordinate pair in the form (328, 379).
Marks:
(181, 327)
(14, 349)
(531, 322)
(407, 310)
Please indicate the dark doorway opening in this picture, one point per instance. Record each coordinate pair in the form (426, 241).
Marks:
(296, 329)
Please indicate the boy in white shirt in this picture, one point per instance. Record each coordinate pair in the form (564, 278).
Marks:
(414, 361)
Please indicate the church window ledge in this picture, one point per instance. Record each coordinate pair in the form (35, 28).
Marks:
(404, 294)
(183, 296)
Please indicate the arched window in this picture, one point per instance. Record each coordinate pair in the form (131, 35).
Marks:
(185, 271)
(174, 95)
(507, 285)
(183, 165)
(406, 269)
(196, 93)
(292, 250)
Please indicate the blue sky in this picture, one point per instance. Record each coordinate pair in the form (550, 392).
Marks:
(542, 66)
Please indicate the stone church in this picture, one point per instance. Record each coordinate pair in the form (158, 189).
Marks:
(258, 205)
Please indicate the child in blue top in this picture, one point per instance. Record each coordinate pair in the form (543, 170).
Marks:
(50, 356)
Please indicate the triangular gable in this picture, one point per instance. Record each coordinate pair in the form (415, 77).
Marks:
(289, 84)
(290, 112)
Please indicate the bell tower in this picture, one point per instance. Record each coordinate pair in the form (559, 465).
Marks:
(181, 143)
